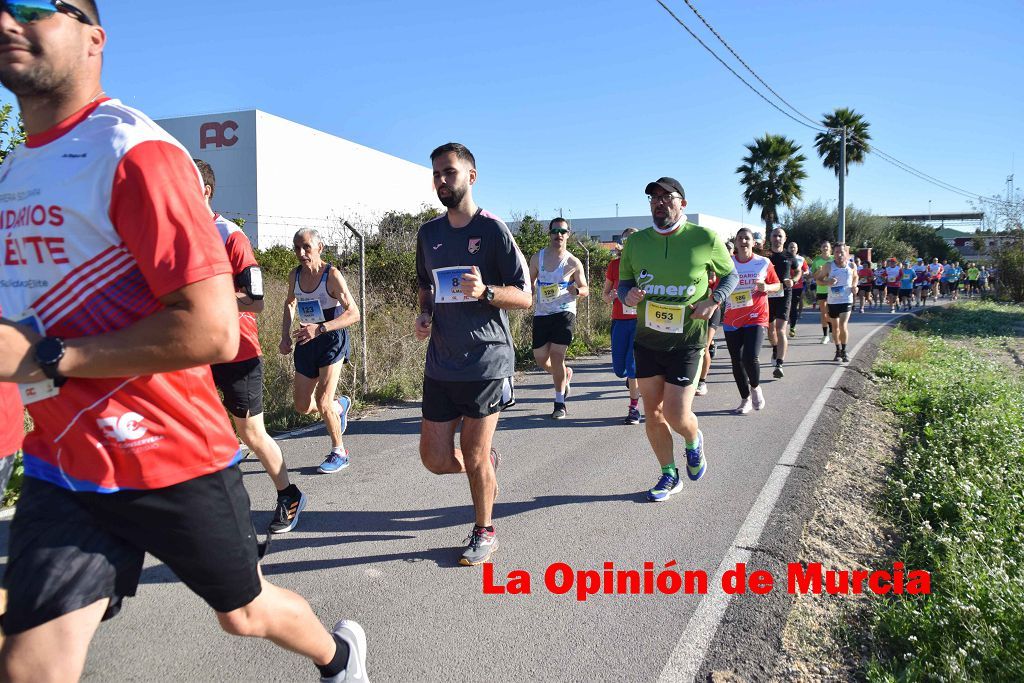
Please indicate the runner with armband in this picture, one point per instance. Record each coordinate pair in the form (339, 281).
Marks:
(321, 301)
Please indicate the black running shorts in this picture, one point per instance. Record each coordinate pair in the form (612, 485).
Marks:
(242, 386)
(70, 549)
(778, 307)
(821, 296)
(836, 310)
(320, 352)
(447, 401)
(680, 367)
(553, 329)
(892, 291)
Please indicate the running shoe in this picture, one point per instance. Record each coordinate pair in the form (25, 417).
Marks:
(702, 388)
(632, 417)
(481, 544)
(559, 412)
(712, 349)
(286, 516)
(792, 332)
(333, 463)
(757, 397)
(355, 637)
(824, 339)
(837, 356)
(665, 487)
(342, 404)
(696, 465)
(744, 407)
(495, 459)
(777, 373)
(845, 358)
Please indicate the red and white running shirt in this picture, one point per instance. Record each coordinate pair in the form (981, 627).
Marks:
(747, 306)
(100, 216)
(241, 257)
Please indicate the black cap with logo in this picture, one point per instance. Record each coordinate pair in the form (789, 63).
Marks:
(667, 184)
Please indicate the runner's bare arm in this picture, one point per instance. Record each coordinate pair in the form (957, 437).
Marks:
(608, 291)
(534, 268)
(287, 316)
(580, 279)
(197, 325)
(247, 305)
(421, 327)
(338, 288)
(508, 297)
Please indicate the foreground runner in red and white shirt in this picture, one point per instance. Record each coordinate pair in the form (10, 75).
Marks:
(119, 306)
(746, 319)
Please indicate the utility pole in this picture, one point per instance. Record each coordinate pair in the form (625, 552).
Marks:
(842, 189)
(616, 209)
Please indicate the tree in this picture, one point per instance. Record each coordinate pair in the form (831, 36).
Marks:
(829, 144)
(532, 236)
(12, 131)
(771, 175)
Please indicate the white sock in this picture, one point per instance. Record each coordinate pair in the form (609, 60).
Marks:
(559, 397)
(339, 450)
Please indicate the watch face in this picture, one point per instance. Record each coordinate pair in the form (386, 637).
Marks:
(50, 350)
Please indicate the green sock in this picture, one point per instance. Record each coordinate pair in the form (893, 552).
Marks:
(692, 445)
(670, 469)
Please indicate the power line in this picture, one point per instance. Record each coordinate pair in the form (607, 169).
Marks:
(747, 66)
(733, 71)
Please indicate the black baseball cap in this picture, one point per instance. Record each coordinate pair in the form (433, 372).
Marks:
(667, 184)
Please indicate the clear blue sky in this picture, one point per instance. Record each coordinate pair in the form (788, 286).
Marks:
(579, 104)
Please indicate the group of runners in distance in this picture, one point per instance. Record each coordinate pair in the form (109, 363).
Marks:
(131, 303)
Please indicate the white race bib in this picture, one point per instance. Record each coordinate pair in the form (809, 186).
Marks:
(665, 317)
(311, 312)
(548, 293)
(740, 298)
(838, 295)
(448, 285)
(777, 295)
(35, 391)
(628, 310)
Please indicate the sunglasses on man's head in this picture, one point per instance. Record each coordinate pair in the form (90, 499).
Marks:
(37, 10)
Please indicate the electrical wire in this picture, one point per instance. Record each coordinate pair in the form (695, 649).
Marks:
(722, 40)
(733, 72)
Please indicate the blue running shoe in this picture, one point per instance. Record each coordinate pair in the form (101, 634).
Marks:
(333, 463)
(696, 466)
(665, 487)
(342, 404)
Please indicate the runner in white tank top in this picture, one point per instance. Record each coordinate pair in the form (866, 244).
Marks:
(324, 311)
(560, 279)
(839, 276)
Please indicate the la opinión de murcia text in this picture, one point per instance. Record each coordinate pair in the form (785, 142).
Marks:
(669, 579)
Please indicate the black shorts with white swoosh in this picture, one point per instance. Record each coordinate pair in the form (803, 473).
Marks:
(447, 401)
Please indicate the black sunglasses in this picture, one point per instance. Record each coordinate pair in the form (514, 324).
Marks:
(37, 10)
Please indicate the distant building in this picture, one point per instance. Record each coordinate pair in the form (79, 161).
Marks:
(281, 176)
(609, 230)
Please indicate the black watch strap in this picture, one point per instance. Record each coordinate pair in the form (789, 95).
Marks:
(48, 354)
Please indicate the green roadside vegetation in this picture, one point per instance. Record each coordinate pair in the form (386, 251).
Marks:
(955, 382)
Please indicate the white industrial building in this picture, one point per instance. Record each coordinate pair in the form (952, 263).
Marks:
(610, 229)
(281, 176)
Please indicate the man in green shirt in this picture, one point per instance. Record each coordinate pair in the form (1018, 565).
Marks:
(821, 293)
(663, 273)
(972, 279)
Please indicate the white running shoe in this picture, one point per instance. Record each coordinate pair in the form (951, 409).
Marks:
(824, 339)
(744, 407)
(702, 388)
(758, 398)
(355, 670)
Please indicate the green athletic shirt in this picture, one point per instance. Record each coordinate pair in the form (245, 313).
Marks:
(818, 262)
(673, 269)
(973, 273)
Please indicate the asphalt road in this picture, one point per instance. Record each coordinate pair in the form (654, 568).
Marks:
(379, 541)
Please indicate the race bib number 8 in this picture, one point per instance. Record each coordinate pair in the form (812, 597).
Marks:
(665, 317)
(311, 312)
(447, 285)
(741, 298)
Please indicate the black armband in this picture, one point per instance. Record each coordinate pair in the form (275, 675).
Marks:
(250, 281)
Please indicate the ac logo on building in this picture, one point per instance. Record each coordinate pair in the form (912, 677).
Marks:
(217, 134)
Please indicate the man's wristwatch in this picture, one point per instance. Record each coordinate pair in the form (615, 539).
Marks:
(48, 354)
(321, 329)
(489, 294)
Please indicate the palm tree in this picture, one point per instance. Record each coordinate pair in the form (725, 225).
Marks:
(829, 144)
(771, 175)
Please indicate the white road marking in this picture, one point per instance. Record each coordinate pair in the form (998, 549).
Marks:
(695, 640)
